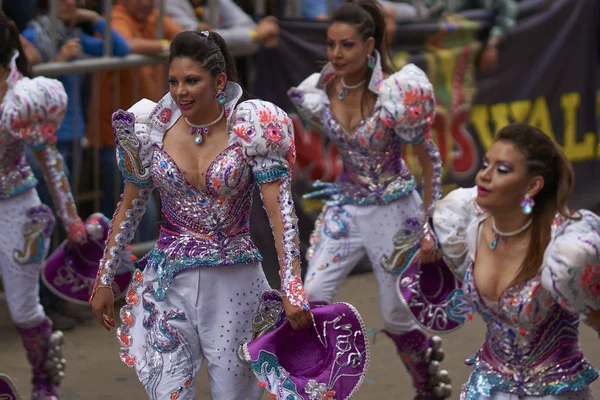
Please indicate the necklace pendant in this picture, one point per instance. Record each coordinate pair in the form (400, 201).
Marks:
(494, 244)
(198, 138)
(341, 95)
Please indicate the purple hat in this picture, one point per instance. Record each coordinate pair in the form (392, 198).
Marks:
(70, 271)
(325, 362)
(7, 389)
(433, 294)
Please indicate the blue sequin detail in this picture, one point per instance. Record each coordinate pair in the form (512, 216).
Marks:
(129, 177)
(266, 364)
(270, 175)
(168, 269)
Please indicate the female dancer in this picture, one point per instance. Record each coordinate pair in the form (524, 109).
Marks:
(31, 111)
(529, 266)
(370, 113)
(204, 153)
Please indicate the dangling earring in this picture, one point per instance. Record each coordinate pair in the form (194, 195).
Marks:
(371, 61)
(527, 204)
(220, 97)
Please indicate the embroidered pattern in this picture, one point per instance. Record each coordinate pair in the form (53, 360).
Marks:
(165, 115)
(131, 149)
(36, 231)
(111, 260)
(406, 244)
(128, 319)
(290, 282)
(58, 184)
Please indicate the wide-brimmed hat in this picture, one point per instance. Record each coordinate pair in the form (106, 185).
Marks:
(432, 293)
(7, 388)
(70, 271)
(325, 362)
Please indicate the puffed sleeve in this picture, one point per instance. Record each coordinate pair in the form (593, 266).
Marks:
(267, 136)
(33, 110)
(310, 100)
(452, 218)
(408, 103)
(571, 270)
(134, 137)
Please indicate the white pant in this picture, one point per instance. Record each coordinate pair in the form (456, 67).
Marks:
(206, 314)
(343, 235)
(25, 229)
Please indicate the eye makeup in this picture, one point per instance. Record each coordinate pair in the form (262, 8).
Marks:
(505, 167)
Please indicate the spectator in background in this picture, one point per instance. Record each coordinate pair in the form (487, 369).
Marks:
(20, 11)
(318, 9)
(72, 44)
(504, 12)
(31, 53)
(137, 21)
(238, 29)
(505, 15)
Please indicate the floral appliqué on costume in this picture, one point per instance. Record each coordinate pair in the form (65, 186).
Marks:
(272, 128)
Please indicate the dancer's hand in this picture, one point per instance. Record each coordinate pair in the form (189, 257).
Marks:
(489, 60)
(104, 300)
(298, 318)
(428, 251)
(76, 234)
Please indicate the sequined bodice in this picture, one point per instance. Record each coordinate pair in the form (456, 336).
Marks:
(16, 174)
(209, 225)
(531, 345)
(374, 171)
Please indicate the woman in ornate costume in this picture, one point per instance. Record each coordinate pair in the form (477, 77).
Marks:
(528, 265)
(31, 111)
(204, 151)
(371, 113)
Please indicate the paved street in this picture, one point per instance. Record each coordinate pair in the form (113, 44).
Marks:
(94, 371)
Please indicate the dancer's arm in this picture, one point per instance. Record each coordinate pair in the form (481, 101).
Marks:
(125, 221)
(277, 199)
(33, 114)
(267, 135)
(52, 165)
(133, 132)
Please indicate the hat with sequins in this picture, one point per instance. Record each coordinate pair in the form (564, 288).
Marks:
(7, 388)
(70, 271)
(325, 362)
(432, 294)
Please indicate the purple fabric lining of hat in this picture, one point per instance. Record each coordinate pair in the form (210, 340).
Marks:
(433, 295)
(325, 362)
(70, 271)
(7, 389)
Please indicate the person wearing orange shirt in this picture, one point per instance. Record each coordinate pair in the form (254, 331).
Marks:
(137, 21)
